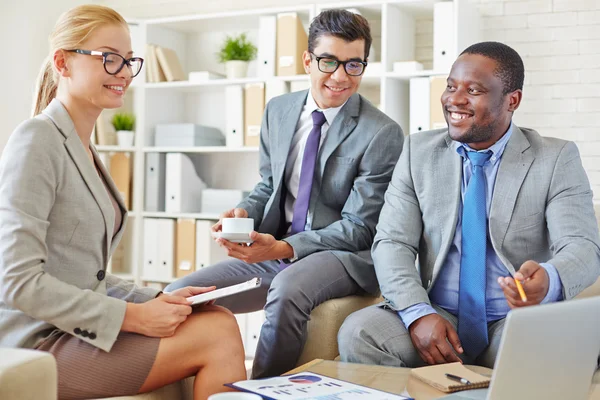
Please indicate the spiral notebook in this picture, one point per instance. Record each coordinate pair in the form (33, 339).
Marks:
(435, 375)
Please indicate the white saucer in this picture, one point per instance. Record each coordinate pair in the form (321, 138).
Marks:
(233, 237)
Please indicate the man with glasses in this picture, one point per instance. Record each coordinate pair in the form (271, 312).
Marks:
(326, 158)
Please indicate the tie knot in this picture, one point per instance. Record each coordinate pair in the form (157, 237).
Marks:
(478, 159)
(318, 118)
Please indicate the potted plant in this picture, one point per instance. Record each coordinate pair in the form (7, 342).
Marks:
(123, 124)
(236, 52)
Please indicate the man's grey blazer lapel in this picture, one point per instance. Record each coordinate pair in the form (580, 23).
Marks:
(61, 119)
(515, 164)
(447, 168)
(341, 127)
(285, 134)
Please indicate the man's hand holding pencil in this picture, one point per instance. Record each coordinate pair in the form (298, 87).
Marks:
(528, 287)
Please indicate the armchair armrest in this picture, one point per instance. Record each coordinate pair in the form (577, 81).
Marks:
(27, 375)
(325, 322)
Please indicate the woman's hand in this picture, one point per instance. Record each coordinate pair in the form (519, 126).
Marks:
(158, 317)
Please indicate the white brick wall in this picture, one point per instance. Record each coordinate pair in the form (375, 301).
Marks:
(559, 41)
(560, 46)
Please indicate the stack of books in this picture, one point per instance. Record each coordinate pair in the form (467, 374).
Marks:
(163, 65)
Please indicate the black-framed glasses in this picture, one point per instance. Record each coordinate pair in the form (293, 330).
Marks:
(114, 63)
(329, 65)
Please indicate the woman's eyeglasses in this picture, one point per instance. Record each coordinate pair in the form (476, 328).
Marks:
(114, 63)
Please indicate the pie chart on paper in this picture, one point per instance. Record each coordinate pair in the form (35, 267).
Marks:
(305, 379)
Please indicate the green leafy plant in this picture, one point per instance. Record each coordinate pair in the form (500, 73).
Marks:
(237, 48)
(123, 121)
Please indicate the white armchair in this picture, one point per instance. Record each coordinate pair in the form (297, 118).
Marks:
(31, 375)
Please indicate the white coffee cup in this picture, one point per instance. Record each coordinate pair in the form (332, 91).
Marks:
(237, 225)
(234, 396)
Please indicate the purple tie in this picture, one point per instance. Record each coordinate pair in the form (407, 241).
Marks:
(307, 172)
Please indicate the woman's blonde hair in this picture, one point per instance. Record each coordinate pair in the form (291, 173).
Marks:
(71, 29)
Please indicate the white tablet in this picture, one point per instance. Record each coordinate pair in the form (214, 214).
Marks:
(224, 292)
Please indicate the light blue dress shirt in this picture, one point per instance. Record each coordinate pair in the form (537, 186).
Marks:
(445, 290)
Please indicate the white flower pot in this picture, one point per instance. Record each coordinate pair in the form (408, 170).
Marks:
(236, 69)
(125, 138)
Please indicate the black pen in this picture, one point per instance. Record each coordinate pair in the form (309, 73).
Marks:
(458, 379)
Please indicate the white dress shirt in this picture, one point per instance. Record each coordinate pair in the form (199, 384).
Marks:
(294, 161)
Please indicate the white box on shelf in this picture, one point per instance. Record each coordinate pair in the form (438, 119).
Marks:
(183, 187)
(267, 34)
(444, 36)
(407, 67)
(234, 126)
(202, 76)
(419, 104)
(187, 135)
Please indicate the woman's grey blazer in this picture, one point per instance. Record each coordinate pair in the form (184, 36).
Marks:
(56, 225)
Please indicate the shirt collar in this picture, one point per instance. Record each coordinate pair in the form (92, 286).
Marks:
(330, 113)
(497, 148)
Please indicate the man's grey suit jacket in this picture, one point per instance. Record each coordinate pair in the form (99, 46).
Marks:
(56, 237)
(353, 169)
(541, 210)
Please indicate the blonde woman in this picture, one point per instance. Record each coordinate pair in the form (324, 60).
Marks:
(61, 218)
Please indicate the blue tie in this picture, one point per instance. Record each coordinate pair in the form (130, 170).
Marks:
(472, 321)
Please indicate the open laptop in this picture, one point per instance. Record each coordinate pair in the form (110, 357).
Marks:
(546, 352)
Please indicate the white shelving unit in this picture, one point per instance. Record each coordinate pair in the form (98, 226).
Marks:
(402, 31)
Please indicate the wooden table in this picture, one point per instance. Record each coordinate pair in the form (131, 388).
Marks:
(394, 380)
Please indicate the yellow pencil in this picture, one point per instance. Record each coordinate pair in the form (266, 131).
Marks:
(520, 289)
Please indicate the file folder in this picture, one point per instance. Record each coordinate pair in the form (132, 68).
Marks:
(167, 240)
(254, 323)
(120, 171)
(267, 34)
(419, 104)
(292, 41)
(444, 36)
(437, 86)
(254, 109)
(186, 247)
(154, 195)
(234, 126)
(183, 187)
(208, 252)
(150, 270)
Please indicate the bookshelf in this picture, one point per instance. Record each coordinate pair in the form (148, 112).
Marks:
(403, 30)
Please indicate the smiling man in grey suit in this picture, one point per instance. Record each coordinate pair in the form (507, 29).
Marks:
(479, 203)
(326, 159)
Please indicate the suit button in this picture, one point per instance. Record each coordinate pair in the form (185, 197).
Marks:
(92, 336)
(100, 275)
(85, 333)
(77, 331)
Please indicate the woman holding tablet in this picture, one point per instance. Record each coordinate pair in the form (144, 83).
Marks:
(62, 217)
